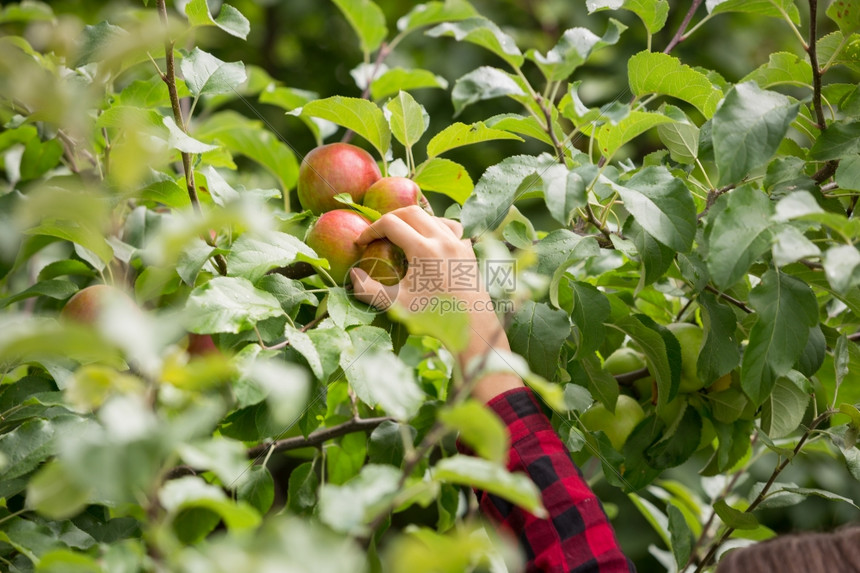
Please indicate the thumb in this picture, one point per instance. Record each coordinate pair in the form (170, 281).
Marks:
(370, 291)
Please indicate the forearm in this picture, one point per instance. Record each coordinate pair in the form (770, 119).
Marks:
(486, 335)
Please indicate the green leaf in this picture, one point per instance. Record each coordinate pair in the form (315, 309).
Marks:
(782, 68)
(748, 128)
(845, 14)
(496, 191)
(181, 141)
(228, 304)
(653, 345)
(39, 158)
(54, 288)
(824, 494)
(359, 115)
(206, 75)
(786, 308)
(380, 378)
(653, 13)
(347, 507)
(460, 134)
(537, 333)
(400, 79)
(564, 190)
(346, 311)
(408, 119)
(446, 177)
(257, 489)
(588, 372)
(450, 326)
(680, 534)
(229, 19)
(839, 140)
(25, 447)
(192, 492)
(772, 8)
(589, 310)
(482, 84)
(303, 344)
(681, 137)
(719, 354)
(435, 12)
(492, 478)
(662, 205)
(479, 428)
(610, 137)
(368, 21)
(656, 518)
(254, 254)
(67, 561)
(95, 41)
(733, 517)
(656, 73)
(739, 234)
(560, 246)
(842, 267)
(573, 50)
(522, 125)
(225, 458)
(54, 494)
(344, 460)
(783, 409)
(386, 443)
(27, 11)
(302, 489)
(243, 136)
(848, 173)
(484, 33)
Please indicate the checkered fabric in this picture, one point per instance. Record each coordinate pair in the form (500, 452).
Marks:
(576, 536)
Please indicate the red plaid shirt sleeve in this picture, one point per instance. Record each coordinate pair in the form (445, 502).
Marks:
(576, 536)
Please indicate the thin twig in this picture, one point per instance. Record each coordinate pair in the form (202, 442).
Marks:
(854, 337)
(730, 299)
(596, 222)
(813, 60)
(169, 78)
(764, 491)
(559, 148)
(628, 378)
(679, 35)
(319, 437)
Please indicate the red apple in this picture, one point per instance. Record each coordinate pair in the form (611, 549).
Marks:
(87, 304)
(390, 193)
(333, 237)
(333, 169)
(201, 345)
(383, 261)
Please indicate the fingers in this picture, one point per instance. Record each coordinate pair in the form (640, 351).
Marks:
(370, 291)
(453, 225)
(394, 228)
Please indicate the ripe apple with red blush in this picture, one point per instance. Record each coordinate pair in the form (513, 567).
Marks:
(390, 193)
(333, 169)
(333, 237)
(384, 262)
(86, 305)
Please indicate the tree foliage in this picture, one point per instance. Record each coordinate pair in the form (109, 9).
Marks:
(143, 149)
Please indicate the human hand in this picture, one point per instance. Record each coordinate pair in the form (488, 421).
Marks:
(433, 245)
